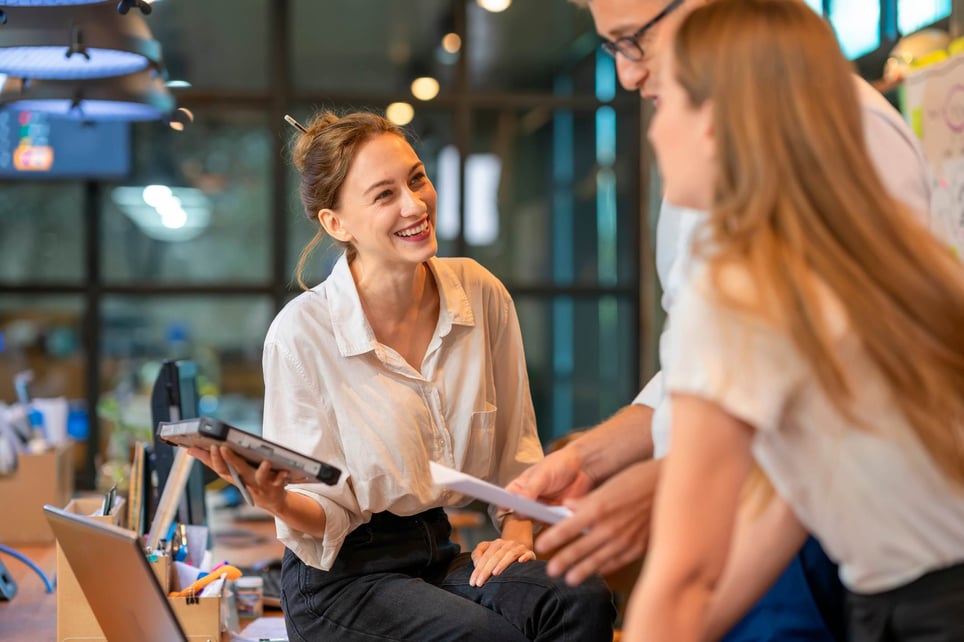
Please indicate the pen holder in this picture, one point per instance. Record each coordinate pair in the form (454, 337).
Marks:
(200, 617)
(75, 620)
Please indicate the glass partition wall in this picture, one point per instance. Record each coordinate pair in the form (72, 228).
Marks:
(535, 155)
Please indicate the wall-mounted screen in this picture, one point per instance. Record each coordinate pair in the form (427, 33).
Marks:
(35, 145)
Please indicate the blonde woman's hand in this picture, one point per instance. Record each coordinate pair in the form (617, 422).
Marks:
(491, 558)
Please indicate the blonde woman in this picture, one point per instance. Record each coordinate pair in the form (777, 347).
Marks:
(821, 333)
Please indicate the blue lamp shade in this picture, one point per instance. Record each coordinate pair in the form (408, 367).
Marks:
(72, 43)
(97, 110)
(51, 63)
(138, 96)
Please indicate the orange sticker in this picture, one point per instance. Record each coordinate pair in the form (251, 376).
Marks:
(33, 158)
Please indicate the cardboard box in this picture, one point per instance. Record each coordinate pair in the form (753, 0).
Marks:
(75, 620)
(46, 478)
(199, 617)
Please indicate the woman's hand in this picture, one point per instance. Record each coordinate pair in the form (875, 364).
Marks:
(267, 488)
(491, 558)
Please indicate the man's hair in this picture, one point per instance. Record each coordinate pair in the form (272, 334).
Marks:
(798, 202)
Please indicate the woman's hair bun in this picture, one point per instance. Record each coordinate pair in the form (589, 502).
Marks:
(302, 143)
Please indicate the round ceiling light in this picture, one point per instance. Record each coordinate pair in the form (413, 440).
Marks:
(137, 96)
(425, 88)
(87, 41)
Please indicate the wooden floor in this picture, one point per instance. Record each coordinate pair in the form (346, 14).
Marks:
(31, 615)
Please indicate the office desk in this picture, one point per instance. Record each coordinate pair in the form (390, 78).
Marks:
(31, 615)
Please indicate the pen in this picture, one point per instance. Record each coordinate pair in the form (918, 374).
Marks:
(240, 484)
(109, 500)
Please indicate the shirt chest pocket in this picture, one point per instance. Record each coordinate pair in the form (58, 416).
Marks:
(481, 443)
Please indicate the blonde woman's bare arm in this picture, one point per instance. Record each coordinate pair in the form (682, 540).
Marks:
(696, 505)
(765, 540)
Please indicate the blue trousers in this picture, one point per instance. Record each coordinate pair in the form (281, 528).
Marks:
(805, 605)
(402, 578)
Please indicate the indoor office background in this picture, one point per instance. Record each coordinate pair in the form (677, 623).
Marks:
(539, 159)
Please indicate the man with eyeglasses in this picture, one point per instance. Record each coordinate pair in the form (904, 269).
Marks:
(608, 475)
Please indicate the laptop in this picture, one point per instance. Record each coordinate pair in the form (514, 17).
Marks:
(117, 580)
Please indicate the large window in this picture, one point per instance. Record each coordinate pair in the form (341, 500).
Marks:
(42, 239)
(866, 28)
(219, 174)
(914, 14)
(857, 23)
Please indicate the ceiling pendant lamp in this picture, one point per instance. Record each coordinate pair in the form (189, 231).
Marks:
(92, 40)
(134, 97)
(123, 6)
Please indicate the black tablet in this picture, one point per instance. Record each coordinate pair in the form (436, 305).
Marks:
(205, 432)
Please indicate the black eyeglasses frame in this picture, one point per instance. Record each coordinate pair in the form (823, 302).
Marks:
(628, 46)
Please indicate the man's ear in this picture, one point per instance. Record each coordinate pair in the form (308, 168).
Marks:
(332, 223)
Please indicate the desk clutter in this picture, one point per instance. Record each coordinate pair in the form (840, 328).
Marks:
(207, 600)
(137, 556)
(150, 520)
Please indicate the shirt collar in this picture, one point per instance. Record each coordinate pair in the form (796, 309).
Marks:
(354, 334)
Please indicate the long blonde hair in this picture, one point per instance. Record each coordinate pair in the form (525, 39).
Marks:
(797, 196)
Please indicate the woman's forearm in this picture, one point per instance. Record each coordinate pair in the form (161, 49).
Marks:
(301, 513)
(764, 543)
(517, 529)
(661, 612)
(696, 502)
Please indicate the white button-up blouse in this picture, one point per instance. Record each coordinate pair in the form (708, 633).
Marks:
(333, 392)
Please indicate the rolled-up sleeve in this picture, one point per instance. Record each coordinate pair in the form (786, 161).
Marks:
(298, 416)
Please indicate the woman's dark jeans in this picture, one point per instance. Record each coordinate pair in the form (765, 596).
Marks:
(929, 609)
(402, 578)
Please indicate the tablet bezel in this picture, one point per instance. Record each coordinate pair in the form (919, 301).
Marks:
(204, 432)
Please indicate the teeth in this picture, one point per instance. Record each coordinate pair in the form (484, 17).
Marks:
(414, 231)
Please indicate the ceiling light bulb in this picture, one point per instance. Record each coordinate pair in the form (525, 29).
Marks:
(400, 113)
(451, 43)
(495, 6)
(154, 195)
(425, 88)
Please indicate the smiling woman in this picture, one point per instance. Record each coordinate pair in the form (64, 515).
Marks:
(398, 359)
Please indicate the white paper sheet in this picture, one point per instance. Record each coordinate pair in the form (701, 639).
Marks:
(264, 628)
(475, 487)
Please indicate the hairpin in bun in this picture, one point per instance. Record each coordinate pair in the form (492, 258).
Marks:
(294, 123)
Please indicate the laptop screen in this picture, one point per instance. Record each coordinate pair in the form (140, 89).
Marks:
(117, 580)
